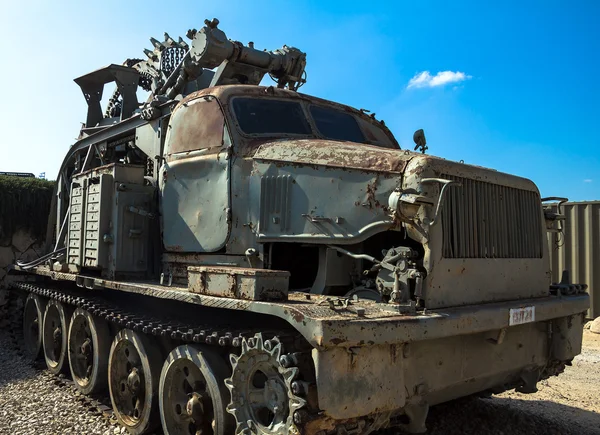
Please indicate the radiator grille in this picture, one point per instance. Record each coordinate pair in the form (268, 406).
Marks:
(484, 220)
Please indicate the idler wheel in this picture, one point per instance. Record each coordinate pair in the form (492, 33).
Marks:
(192, 395)
(55, 336)
(133, 377)
(89, 344)
(33, 315)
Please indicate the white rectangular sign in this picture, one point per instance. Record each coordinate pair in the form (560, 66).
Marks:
(518, 316)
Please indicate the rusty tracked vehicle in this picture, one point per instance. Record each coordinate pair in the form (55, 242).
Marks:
(230, 258)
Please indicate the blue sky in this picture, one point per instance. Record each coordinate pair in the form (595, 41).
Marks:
(518, 91)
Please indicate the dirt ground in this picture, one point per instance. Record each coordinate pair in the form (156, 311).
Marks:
(566, 404)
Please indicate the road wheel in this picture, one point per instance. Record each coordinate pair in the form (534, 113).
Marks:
(89, 344)
(33, 315)
(133, 377)
(55, 336)
(192, 396)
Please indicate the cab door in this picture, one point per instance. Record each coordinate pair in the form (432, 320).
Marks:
(195, 179)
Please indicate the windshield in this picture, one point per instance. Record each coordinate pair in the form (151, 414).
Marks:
(336, 125)
(273, 117)
(262, 116)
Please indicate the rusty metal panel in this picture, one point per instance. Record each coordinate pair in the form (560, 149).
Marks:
(239, 282)
(196, 125)
(577, 249)
(360, 380)
(350, 205)
(195, 180)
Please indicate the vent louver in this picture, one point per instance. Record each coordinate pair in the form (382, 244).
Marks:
(485, 220)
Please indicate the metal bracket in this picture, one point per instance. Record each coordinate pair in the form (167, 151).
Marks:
(558, 216)
(499, 338)
(337, 304)
(169, 279)
(141, 212)
(85, 282)
(316, 219)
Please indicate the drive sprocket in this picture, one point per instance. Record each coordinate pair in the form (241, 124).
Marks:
(262, 400)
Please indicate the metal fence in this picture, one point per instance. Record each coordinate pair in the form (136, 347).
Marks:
(577, 249)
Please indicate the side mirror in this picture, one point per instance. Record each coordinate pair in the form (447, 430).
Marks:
(420, 141)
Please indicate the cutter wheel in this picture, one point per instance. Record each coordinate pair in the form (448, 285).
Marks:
(133, 378)
(55, 336)
(89, 343)
(33, 314)
(192, 393)
(262, 400)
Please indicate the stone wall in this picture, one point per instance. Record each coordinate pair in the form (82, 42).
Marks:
(24, 210)
(22, 247)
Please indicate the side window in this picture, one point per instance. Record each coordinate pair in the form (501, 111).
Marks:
(337, 125)
(195, 126)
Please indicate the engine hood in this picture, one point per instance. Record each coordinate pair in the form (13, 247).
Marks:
(349, 155)
(371, 158)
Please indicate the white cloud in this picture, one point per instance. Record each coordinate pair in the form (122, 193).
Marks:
(587, 180)
(424, 79)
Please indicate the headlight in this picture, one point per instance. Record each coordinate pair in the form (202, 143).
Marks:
(407, 204)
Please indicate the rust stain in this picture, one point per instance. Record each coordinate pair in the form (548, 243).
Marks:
(297, 315)
(190, 136)
(320, 152)
(371, 195)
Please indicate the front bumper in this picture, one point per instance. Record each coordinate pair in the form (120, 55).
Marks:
(443, 355)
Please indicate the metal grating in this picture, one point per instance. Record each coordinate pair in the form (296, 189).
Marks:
(485, 220)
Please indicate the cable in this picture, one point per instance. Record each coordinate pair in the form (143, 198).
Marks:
(51, 256)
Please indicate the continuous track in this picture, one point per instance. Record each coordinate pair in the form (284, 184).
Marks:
(228, 340)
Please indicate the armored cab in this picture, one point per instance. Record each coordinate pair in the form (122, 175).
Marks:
(231, 258)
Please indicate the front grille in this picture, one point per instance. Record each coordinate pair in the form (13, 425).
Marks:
(485, 220)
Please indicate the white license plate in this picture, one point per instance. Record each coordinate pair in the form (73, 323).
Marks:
(518, 316)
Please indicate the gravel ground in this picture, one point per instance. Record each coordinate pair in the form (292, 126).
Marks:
(32, 403)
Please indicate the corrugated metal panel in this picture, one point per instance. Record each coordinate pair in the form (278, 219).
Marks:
(485, 220)
(578, 249)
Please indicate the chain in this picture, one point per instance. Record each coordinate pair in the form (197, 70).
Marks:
(170, 58)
